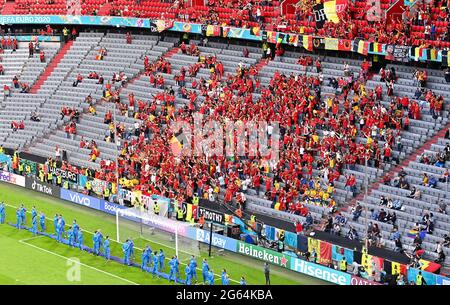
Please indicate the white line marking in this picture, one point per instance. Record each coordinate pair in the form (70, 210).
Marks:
(23, 241)
(92, 233)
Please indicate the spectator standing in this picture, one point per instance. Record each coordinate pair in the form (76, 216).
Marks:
(267, 272)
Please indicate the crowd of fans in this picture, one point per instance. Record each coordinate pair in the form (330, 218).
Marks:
(325, 141)
(321, 135)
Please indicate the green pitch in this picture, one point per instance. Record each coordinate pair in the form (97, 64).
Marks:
(25, 259)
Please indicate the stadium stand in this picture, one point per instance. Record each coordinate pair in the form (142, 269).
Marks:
(336, 114)
(423, 24)
(419, 130)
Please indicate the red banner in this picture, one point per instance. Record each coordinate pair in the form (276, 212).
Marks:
(325, 253)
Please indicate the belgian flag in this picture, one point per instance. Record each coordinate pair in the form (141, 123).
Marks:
(376, 47)
(313, 244)
(431, 54)
(360, 46)
(307, 42)
(394, 268)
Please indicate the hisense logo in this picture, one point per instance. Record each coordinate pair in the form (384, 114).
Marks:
(263, 254)
(320, 272)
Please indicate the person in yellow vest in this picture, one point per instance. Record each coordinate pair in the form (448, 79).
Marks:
(59, 180)
(195, 199)
(28, 169)
(277, 206)
(343, 265)
(156, 208)
(65, 34)
(89, 187)
(192, 221)
(179, 212)
(419, 279)
(66, 185)
(50, 177)
(21, 168)
(106, 193)
(41, 175)
(2, 150)
(253, 221)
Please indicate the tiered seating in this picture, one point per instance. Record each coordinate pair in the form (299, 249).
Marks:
(437, 19)
(20, 105)
(121, 57)
(413, 209)
(46, 7)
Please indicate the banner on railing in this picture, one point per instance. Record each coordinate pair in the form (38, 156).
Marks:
(393, 52)
(34, 184)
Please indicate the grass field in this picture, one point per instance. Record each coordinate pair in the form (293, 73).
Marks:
(28, 259)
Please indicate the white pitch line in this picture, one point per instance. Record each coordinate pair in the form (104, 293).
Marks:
(113, 240)
(23, 241)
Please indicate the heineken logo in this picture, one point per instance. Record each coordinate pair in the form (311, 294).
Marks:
(264, 254)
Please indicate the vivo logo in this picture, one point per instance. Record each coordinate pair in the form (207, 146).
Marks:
(74, 197)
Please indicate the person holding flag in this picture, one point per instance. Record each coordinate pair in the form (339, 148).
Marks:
(42, 221)
(242, 282)
(193, 268)
(80, 239)
(70, 236)
(55, 222)
(187, 272)
(155, 264)
(33, 212)
(210, 277)
(223, 276)
(226, 280)
(59, 230)
(34, 225)
(96, 242)
(23, 213)
(2, 213)
(19, 218)
(132, 257)
(145, 257)
(205, 270)
(100, 240)
(177, 267)
(161, 257)
(62, 226)
(106, 249)
(172, 274)
(75, 228)
(126, 252)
